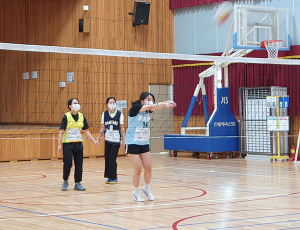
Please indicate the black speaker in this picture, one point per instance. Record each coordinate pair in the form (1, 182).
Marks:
(141, 13)
(84, 25)
(81, 25)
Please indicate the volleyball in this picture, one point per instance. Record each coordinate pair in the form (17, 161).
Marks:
(223, 13)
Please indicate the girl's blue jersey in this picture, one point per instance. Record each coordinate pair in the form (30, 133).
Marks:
(138, 132)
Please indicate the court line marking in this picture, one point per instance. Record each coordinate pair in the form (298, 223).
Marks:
(175, 168)
(125, 180)
(242, 198)
(175, 224)
(6, 201)
(57, 216)
(213, 171)
(289, 228)
(138, 207)
(233, 220)
(251, 225)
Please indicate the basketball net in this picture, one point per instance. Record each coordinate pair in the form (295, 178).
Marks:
(272, 47)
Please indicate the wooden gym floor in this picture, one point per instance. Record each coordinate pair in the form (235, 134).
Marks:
(190, 193)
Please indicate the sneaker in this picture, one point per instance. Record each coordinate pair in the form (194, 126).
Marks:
(79, 187)
(65, 186)
(137, 197)
(113, 181)
(108, 181)
(148, 194)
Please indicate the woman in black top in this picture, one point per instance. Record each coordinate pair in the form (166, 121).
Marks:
(113, 127)
(72, 122)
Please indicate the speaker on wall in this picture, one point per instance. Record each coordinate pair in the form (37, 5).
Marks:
(84, 25)
(141, 13)
(81, 25)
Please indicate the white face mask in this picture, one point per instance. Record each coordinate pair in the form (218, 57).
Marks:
(76, 107)
(149, 102)
(112, 106)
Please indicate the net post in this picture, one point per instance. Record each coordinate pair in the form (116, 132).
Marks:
(190, 110)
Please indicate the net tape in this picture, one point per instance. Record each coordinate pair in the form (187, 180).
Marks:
(137, 54)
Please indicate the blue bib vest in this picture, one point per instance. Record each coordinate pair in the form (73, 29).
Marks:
(138, 132)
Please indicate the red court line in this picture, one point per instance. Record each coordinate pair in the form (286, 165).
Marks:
(192, 206)
(170, 208)
(42, 177)
(174, 225)
(163, 208)
(97, 213)
(39, 204)
(202, 205)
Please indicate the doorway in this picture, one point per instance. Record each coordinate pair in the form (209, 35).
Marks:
(162, 120)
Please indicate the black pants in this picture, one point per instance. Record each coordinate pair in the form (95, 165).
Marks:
(111, 153)
(78, 161)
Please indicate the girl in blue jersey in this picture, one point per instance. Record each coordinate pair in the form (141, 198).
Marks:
(71, 139)
(113, 128)
(137, 141)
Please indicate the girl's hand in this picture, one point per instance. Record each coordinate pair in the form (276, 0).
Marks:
(96, 143)
(170, 104)
(59, 149)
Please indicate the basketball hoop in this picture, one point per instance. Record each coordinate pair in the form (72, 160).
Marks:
(272, 47)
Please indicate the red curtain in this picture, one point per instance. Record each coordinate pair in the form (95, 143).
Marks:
(185, 82)
(174, 4)
(240, 75)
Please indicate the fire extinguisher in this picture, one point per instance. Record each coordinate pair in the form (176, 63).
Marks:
(293, 152)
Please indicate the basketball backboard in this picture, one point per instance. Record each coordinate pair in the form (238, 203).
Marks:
(253, 24)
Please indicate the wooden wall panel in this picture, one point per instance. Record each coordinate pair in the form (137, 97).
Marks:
(41, 146)
(55, 23)
(294, 130)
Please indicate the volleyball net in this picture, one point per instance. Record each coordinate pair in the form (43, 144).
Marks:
(37, 81)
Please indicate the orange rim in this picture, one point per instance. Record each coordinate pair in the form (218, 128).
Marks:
(262, 44)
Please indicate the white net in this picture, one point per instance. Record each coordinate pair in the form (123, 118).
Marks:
(33, 103)
(273, 47)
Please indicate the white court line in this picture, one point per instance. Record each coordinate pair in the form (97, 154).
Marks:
(214, 171)
(149, 206)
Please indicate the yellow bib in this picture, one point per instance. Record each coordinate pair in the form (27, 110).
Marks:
(72, 132)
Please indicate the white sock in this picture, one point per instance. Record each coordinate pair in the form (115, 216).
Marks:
(147, 186)
(136, 190)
